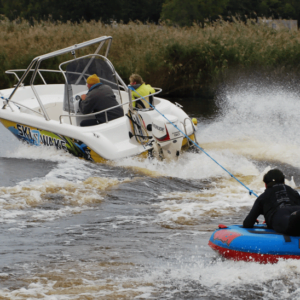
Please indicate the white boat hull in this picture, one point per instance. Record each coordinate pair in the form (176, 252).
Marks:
(108, 141)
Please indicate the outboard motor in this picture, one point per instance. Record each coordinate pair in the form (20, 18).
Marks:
(167, 139)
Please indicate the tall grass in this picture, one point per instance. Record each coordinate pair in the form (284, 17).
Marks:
(179, 60)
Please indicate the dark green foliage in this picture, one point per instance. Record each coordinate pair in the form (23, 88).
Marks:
(181, 12)
(285, 9)
(184, 13)
(242, 8)
(76, 11)
(142, 10)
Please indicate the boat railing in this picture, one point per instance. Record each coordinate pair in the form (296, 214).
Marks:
(186, 133)
(18, 105)
(92, 114)
(157, 91)
(13, 72)
(36, 62)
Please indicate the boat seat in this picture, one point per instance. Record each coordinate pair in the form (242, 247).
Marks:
(53, 109)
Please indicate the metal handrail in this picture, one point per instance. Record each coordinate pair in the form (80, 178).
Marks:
(18, 104)
(37, 61)
(12, 72)
(110, 108)
(74, 48)
(92, 114)
(184, 126)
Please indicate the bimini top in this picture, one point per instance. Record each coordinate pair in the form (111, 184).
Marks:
(254, 244)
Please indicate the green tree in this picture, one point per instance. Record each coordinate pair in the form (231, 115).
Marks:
(12, 9)
(269, 8)
(142, 10)
(290, 9)
(184, 13)
(285, 9)
(76, 11)
(241, 8)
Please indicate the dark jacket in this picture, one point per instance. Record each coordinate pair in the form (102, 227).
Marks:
(100, 97)
(275, 197)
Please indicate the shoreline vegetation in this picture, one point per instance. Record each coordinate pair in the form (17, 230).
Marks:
(183, 61)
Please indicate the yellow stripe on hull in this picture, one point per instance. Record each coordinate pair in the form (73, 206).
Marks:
(40, 137)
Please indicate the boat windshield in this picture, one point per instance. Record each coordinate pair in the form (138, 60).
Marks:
(78, 70)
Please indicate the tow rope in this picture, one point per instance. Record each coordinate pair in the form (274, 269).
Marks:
(250, 191)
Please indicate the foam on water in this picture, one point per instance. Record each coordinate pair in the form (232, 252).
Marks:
(194, 165)
(222, 197)
(256, 125)
(23, 150)
(71, 187)
(268, 113)
(194, 277)
(233, 280)
(28, 199)
(257, 122)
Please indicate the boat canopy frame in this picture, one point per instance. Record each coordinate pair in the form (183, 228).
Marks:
(74, 78)
(35, 64)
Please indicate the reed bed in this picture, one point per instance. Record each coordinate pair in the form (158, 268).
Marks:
(179, 60)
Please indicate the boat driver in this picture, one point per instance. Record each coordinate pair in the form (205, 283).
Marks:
(99, 97)
(280, 205)
(142, 89)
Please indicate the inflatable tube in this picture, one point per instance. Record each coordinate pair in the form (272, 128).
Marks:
(254, 244)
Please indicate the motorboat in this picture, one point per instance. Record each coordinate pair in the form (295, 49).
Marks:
(42, 113)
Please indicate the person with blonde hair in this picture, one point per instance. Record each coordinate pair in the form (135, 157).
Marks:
(280, 205)
(99, 97)
(141, 89)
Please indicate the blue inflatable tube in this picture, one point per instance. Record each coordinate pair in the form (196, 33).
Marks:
(254, 244)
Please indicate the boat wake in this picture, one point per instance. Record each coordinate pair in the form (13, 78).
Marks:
(139, 228)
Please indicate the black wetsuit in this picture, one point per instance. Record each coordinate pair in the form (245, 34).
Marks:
(100, 97)
(277, 204)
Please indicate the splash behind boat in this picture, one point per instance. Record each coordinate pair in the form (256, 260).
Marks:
(48, 114)
(254, 244)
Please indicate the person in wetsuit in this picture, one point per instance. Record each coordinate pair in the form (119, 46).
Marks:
(99, 97)
(280, 205)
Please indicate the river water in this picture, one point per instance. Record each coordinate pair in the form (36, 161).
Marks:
(139, 229)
